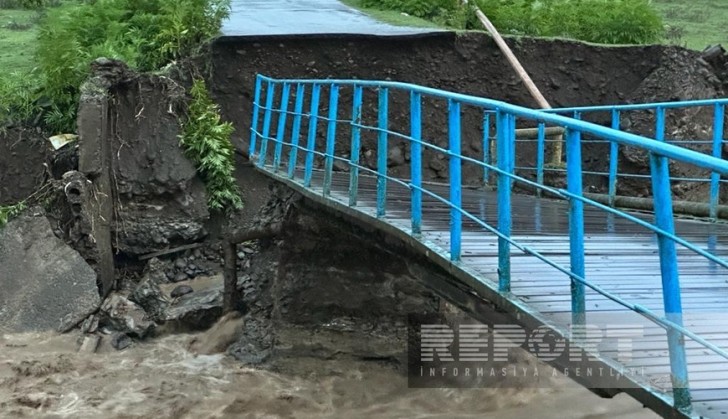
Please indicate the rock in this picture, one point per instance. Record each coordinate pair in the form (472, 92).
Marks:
(200, 309)
(125, 316)
(44, 282)
(157, 271)
(90, 344)
(395, 157)
(149, 296)
(180, 263)
(90, 325)
(181, 290)
(120, 341)
(180, 277)
(256, 342)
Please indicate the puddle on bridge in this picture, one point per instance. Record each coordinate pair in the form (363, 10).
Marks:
(44, 376)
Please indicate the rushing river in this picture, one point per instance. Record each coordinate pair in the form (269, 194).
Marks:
(44, 376)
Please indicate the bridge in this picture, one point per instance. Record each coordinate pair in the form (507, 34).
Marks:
(553, 257)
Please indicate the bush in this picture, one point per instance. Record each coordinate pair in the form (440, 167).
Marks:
(147, 34)
(18, 97)
(27, 4)
(206, 141)
(600, 21)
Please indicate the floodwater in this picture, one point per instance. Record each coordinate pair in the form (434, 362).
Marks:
(44, 376)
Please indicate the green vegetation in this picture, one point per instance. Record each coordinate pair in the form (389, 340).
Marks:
(52, 59)
(694, 23)
(18, 29)
(600, 21)
(11, 211)
(392, 17)
(206, 141)
(147, 34)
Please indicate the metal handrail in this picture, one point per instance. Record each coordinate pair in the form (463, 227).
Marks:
(617, 112)
(505, 115)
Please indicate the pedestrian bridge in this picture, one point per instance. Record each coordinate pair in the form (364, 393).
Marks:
(555, 257)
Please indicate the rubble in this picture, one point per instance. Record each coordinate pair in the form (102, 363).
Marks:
(198, 309)
(122, 315)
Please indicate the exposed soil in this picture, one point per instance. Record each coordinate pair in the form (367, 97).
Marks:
(23, 154)
(569, 73)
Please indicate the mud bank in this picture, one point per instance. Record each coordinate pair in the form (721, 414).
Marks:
(23, 157)
(569, 73)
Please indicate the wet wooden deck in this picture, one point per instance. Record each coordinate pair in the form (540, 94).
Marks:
(621, 257)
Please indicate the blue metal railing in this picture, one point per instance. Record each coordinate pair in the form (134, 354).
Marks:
(657, 113)
(506, 117)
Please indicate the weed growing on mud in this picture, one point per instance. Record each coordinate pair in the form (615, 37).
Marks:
(206, 141)
(9, 212)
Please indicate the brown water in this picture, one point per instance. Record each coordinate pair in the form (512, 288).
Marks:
(43, 376)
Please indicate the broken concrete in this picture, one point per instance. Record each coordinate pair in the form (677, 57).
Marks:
(46, 284)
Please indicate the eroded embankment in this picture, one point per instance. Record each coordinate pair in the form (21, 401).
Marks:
(569, 74)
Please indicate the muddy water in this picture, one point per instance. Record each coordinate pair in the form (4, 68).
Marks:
(43, 375)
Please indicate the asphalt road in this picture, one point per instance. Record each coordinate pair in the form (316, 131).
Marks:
(305, 17)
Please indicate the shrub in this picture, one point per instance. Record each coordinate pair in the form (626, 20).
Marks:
(206, 141)
(18, 98)
(147, 34)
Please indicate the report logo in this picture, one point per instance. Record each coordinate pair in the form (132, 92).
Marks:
(457, 352)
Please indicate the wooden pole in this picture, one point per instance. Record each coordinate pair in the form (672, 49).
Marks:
(522, 74)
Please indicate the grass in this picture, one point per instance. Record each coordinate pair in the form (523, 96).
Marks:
(702, 22)
(18, 30)
(392, 17)
(693, 24)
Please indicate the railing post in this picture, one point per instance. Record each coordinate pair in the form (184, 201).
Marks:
(456, 217)
(355, 145)
(576, 226)
(505, 135)
(660, 124)
(311, 143)
(514, 143)
(266, 123)
(256, 115)
(296, 131)
(416, 160)
(282, 117)
(540, 157)
(486, 147)
(664, 220)
(718, 127)
(382, 152)
(330, 138)
(613, 159)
